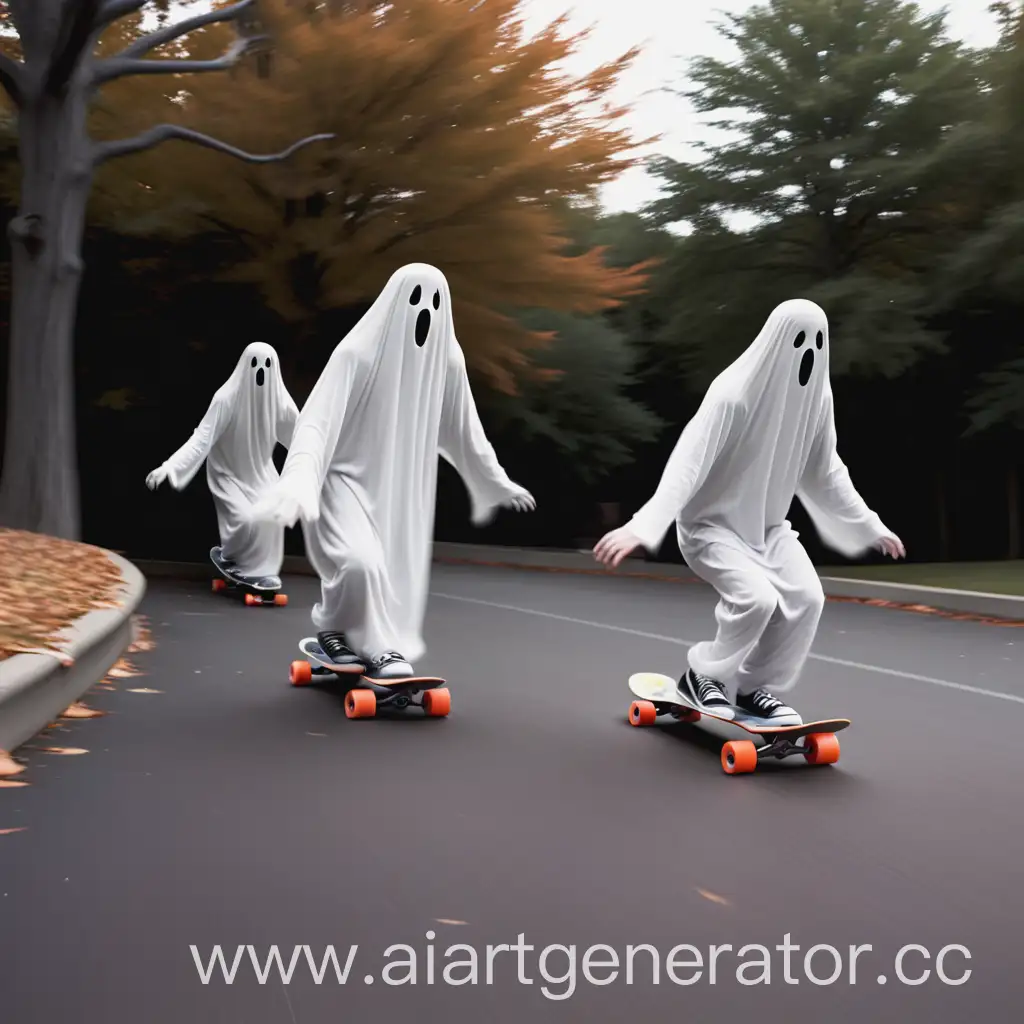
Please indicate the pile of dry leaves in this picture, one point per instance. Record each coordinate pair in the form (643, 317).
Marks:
(45, 585)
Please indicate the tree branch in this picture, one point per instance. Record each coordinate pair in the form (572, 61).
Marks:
(104, 151)
(121, 67)
(171, 32)
(11, 77)
(76, 29)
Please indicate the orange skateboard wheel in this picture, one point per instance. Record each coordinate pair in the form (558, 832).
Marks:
(218, 586)
(822, 748)
(437, 703)
(690, 717)
(642, 712)
(280, 599)
(360, 704)
(251, 599)
(300, 673)
(739, 757)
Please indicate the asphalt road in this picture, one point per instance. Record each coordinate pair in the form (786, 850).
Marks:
(232, 809)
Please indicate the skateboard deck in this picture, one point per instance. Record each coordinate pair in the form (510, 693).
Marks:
(266, 590)
(367, 693)
(748, 739)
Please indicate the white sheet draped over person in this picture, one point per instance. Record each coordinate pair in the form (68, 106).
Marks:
(361, 472)
(249, 415)
(764, 434)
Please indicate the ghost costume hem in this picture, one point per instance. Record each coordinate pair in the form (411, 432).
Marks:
(363, 462)
(249, 415)
(764, 434)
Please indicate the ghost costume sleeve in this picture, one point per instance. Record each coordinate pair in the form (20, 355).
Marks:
(463, 443)
(286, 419)
(839, 514)
(314, 438)
(183, 465)
(703, 440)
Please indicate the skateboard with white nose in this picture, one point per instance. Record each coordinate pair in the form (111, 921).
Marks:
(367, 694)
(759, 740)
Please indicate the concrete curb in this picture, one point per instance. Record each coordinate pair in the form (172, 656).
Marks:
(36, 688)
(995, 608)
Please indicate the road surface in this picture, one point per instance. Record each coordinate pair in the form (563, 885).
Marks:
(232, 809)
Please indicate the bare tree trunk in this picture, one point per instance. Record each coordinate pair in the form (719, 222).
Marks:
(39, 488)
(1013, 511)
(52, 89)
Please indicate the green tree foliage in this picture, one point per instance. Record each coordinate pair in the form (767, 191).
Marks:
(831, 114)
(983, 274)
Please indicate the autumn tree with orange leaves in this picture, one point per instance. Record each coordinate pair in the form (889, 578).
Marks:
(457, 141)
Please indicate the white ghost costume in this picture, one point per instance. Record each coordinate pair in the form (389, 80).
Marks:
(764, 434)
(362, 467)
(250, 414)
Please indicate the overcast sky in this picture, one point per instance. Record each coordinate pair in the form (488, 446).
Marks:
(670, 32)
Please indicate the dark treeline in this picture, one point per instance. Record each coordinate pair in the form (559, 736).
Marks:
(866, 160)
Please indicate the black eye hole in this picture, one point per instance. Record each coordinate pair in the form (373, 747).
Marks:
(799, 339)
(268, 364)
(437, 300)
(254, 361)
(820, 339)
(417, 293)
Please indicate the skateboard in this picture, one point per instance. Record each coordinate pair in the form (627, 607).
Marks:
(367, 694)
(659, 695)
(264, 590)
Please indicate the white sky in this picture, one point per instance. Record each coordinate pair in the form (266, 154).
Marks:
(671, 32)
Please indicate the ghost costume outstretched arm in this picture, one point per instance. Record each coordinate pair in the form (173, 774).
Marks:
(839, 514)
(703, 440)
(183, 465)
(463, 443)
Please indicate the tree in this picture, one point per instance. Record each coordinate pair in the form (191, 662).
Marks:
(985, 271)
(461, 142)
(836, 110)
(981, 278)
(51, 77)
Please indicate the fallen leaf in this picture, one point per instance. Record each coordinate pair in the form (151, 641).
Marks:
(448, 920)
(79, 710)
(11, 784)
(124, 669)
(63, 751)
(111, 688)
(143, 639)
(10, 831)
(143, 689)
(714, 897)
(8, 766)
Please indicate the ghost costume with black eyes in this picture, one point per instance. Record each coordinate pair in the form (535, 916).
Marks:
(361, 470)
(764, 434)
(250, 414)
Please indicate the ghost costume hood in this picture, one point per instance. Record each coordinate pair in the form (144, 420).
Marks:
(764, 433)
(363, 461)
(249, 415)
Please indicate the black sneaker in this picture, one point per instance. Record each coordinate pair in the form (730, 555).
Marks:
(704, 692)
(762, 704)
(336, 647)
(389, 666)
